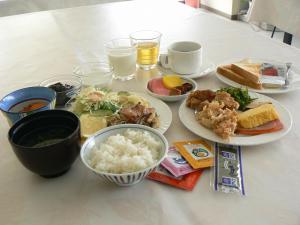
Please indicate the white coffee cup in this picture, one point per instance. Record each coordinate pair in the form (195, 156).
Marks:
(183, 57)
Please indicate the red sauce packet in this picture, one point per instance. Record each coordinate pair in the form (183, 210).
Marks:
(186, 182)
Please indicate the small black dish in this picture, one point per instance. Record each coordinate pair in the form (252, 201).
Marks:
(48, 142)
(65, 86)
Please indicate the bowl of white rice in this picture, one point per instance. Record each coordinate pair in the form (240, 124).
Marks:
(124, 154)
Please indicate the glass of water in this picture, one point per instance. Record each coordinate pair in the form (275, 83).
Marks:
(96, 74)
(121, 55)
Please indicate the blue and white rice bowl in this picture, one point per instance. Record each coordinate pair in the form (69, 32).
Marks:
(122, 179)
(12, 104)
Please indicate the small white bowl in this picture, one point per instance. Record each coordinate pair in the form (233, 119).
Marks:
(124, 179)
(174, 98)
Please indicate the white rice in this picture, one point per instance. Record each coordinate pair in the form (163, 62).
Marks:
(131, 151)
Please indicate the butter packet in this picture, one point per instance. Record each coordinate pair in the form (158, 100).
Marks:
(198, 153)
(176, 164)
(186, 182)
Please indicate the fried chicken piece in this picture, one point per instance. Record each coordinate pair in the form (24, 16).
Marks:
(226, 98)
(199, 96)
(220, 119)
(209, 112)
(202, 105)
(226, 123)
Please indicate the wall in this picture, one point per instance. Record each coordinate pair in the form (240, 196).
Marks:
(229, 7)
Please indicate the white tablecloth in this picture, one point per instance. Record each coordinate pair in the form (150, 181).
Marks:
(280, 13)
(38, 45)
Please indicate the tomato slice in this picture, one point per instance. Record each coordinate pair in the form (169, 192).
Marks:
(269, 127)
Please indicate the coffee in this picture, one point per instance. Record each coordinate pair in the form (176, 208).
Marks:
(183, 57)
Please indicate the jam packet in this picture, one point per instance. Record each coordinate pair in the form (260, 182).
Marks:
(176, 164)
(186, 182)
(228, 173)
(198, 153)
(268, 69)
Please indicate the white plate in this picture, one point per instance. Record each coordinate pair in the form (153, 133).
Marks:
(187, 117)
(294, 76)
(206, 68)
(163, 111)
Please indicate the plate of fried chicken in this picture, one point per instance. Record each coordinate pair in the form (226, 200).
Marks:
(234, 116)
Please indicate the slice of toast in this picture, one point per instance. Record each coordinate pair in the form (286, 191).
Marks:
(251, 71)
(227, 71)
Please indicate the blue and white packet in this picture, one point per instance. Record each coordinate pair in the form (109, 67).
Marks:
(228, 171)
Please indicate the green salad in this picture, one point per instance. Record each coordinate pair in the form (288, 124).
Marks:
(99, 108)
(104, 102)
(93, 102)
(240, 95)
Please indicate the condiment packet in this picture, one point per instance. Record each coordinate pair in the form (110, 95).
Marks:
(272, 76)
(176, 164)
(228, 173)
(186, 182)
(272, 82)
(268, 69)
(198, 153)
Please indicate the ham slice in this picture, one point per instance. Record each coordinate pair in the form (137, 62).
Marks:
(269, 127)
(156, 86)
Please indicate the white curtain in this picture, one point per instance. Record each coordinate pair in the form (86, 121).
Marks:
(284, 14)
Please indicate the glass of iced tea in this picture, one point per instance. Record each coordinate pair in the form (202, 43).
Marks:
(147, 43)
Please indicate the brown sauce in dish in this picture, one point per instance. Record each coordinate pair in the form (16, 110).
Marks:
(33, 106)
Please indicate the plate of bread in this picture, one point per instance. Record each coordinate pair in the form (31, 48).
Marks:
(259, 75)
(235, 116)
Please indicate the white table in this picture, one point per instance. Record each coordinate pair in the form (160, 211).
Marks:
(14, 7)
(38, 45)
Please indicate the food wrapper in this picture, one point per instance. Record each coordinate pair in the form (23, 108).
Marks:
(228, 173)
(186, 182)
(198, 153)
(176, 164)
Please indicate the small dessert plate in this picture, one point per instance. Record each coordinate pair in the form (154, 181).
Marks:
(173, 98)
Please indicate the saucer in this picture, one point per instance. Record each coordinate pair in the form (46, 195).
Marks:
(205, 69)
